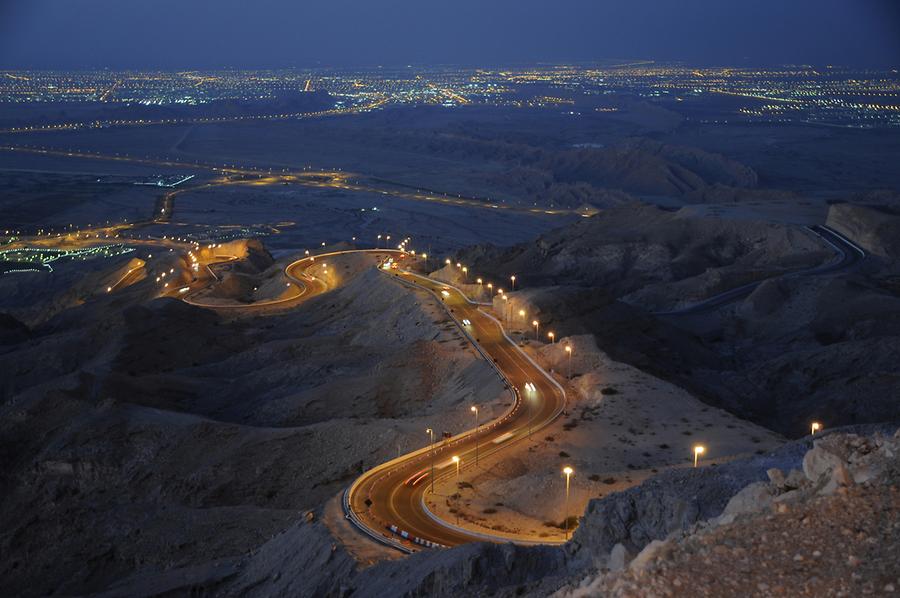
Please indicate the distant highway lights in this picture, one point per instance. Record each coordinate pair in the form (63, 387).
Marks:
(569, 353)
(568, 471)
(815, 427)
(431, 432)
(552, 337)
(698, 450)
(537, 327)
(475, 411)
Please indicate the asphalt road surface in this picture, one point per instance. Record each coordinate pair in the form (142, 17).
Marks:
(387, 501)
(848, 253)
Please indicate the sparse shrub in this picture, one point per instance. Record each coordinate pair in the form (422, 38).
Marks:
(609, 390)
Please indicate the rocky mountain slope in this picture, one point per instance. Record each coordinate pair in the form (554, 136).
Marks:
(797, 348)
(132, 446)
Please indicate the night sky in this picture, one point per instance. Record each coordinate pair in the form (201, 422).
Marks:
(260, 33)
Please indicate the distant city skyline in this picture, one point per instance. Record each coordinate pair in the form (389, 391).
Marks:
(168, 34)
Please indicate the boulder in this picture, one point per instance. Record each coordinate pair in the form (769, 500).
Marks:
(819, 461)
(751, 499)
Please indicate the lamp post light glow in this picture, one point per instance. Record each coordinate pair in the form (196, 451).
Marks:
(490, 287)
(478, 281)
(552, 337)
(431, 433)
(815, 427)
(568, 471)
(698, 450)
(522, 315)
(447, 261)
(457, 460)
(513, 279)
(569, 352)
(465, 274)
(475, 411)
(537, 327)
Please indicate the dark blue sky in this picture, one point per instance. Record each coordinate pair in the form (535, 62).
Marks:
(205, 33)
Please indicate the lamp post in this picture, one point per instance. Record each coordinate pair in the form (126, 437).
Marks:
(552, 337)
(522, 315)
(513, 279)
(815, 427)
(457, 461)
(465, 274)
(506, 309)
(431, 432)
(537, 326)
(475, 411)
(569, 371)
(568, 471)
(698, 450)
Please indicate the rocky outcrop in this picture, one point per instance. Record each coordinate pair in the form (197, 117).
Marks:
(875, 228)
(828, 529)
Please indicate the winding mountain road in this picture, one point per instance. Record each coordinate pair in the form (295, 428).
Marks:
(848, 255)
(388, 502)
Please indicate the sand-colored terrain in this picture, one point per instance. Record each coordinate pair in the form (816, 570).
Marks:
(622, 426)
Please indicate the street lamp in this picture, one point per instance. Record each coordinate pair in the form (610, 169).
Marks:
(447, 261)
(506, 308)
(478, 281)
(569, 352)
(568, 471)
(475, 411)
(457, 461)
(815, 427)
(698, 450)
(522, 315)
(513, 279)
(552, 337)
(537, 327)
(431, 432)
(465, 274)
